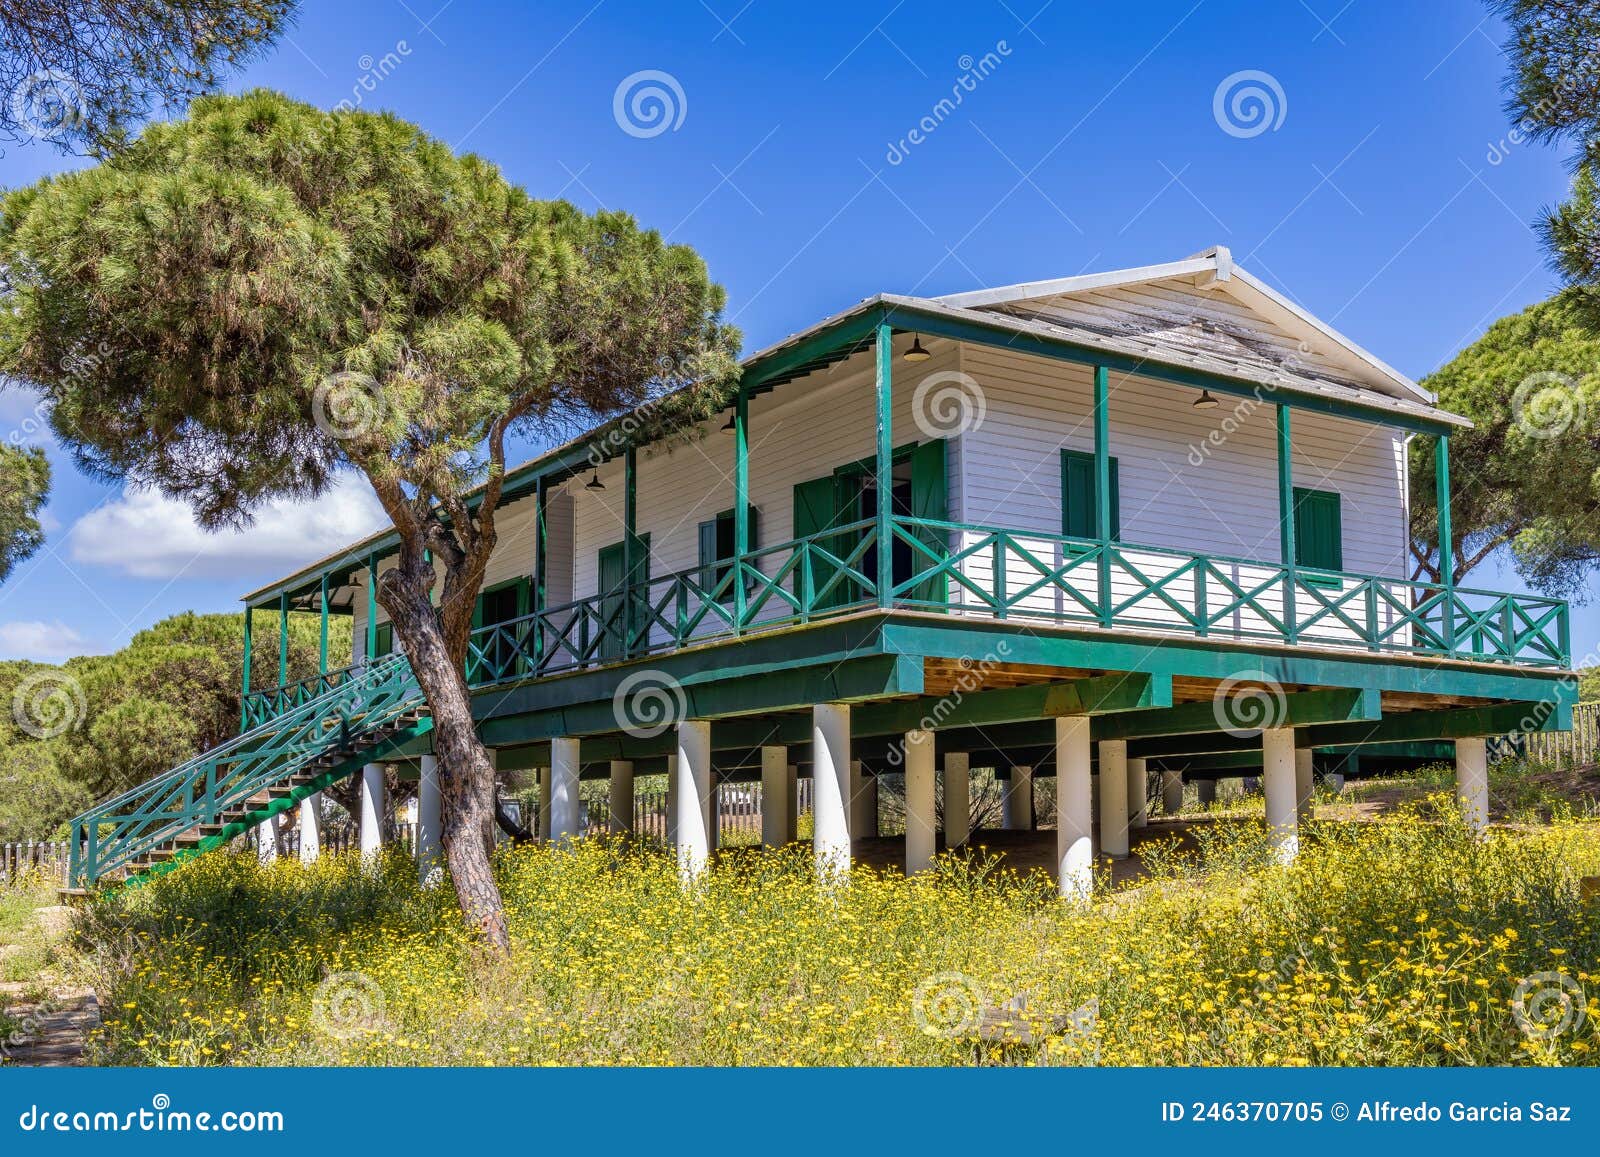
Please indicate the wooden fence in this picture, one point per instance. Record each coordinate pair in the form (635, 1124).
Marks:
(1579, 746)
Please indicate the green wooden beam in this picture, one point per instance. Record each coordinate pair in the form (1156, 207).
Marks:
(283, 639)
(372, 606)
(322, 636)
(1194, 743)
(1132, 691)
(1102, 488)
(1240, 762)
(1452, 723)
(1298, 709)
(244, 689)
(741, 499)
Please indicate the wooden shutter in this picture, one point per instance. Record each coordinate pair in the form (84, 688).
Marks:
(708, 554)
(1318, 529)
(1078, 496)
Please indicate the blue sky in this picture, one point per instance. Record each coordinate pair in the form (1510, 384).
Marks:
(1389, 200)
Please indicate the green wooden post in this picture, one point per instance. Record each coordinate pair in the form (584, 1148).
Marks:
(884, 466)
(1447, 562)
(244, 690)
(630, 544)
(541, 545)
(741, 501)
(1102, 487)
(283, 639)
(322, 639)
(372, 607)
(1286, 544)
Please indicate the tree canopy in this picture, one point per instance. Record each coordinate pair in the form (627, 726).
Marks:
(24, 487)
(81, 72)
(1527, 476)
(242, 304)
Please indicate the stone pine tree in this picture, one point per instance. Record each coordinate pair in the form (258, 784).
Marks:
(244, 304)
(78, 73)
(24, 486)
(1527, 476)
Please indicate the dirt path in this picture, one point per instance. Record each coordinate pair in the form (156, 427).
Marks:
(53, 1030)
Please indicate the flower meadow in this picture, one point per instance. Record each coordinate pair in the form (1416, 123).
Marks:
(1401, 942)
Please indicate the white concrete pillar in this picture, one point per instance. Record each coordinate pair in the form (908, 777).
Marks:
(1074, 809)
(791, 792)
(542, 829)
(621, 798)
(374, 801)
(1114, 798)
(1017, 803)
(863, 802)
(831, 781)
(430, 809)
(311, 828)
(693, 797)
(267, 841)
(1302, 784)
(565, 806)
(1278, 781)
(777, 797)
(922, 820)
(957, 798)
(1172, 792)
(672, 801)
(1207, 789)
(1472, 782)
(1138, 794)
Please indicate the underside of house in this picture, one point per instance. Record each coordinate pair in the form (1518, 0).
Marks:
(1150, 522)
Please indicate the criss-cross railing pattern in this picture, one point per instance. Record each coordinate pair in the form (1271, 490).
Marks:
(124, 829)
(269, 703)
(985, 572)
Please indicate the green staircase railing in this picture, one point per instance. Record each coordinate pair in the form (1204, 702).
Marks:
(219, 792)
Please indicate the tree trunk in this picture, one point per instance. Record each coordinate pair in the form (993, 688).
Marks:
(466, 778)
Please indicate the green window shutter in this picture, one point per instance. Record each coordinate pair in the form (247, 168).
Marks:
(385, 640)
(1078, 496)
(1318, 529)
(708, 553)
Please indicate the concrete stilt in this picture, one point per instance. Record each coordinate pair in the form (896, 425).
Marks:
(430, 807)
(311, 828)
(565, 806)
(1472, 782)
(693, 797)
(1074, 812)
(1207, 789)
(1017, 803)
(831, 784)
(267, 841)
(1171, 792)
(1278, 781)
(921, 820)
(1114, 798)
(1302, 784)
(957, 798)
(777, 797)
(621, 797)
(374, 802)
(1138, 794)
(792, 794)
(543, 819)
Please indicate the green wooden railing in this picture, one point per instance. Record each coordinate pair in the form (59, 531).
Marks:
(223, 781)
(983, 572)
(260, 706)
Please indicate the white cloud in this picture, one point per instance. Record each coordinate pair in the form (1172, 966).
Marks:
(22, 421)
(147, 535)
(42, 642)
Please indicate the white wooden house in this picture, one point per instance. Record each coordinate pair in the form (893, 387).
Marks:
(1129, 510)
